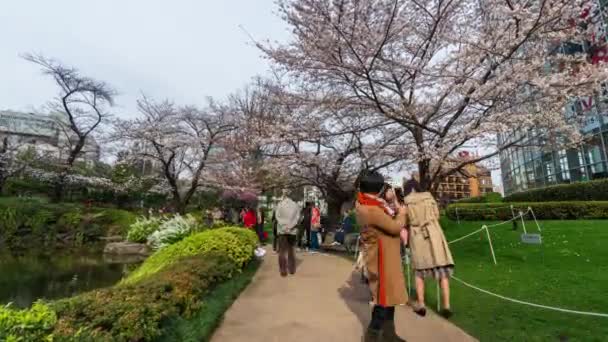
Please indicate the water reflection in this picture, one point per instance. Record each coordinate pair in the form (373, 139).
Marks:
(28, 277)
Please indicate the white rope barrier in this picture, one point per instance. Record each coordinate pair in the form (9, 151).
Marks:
(468, 235)
(528, 303)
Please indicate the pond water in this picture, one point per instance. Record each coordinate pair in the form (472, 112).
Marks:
(28, 277)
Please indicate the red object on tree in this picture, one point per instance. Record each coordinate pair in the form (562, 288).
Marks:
(265, 235)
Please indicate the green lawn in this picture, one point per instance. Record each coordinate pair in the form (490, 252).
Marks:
(569, 270)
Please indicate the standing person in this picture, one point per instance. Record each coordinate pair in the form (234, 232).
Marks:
(275, 236)
(260, 224)
(249, 218)
(287, 215)
(431, 256)
(315, 226)
(381, 243)
(306, 225)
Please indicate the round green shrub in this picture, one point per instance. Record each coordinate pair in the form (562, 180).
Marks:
(237, 244)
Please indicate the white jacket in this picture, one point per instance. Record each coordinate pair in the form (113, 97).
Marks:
(287, 215)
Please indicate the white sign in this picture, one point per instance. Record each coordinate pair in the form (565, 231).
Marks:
(531, 239)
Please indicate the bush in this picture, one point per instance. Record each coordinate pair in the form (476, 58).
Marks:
(34, 324)
(596, 190)
(236, 243)
(142, 228)
(542, 210)
(137, 312)
(172, 231)
(491, 197)
(27, 222)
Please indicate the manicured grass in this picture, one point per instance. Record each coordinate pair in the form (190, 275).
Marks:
(203, 324)
(569, 270)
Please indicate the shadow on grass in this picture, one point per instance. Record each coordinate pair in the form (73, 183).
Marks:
(202, 325)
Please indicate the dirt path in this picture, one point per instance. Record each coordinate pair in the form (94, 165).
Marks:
(324, 301)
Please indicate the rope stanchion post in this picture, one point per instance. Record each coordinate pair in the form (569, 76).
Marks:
(535, 220)
(523, 222)
(491, 247)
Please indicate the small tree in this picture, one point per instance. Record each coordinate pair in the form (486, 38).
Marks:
(80, 108)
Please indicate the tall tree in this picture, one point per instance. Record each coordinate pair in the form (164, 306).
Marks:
(80, 108)
(451, 73)
(311, 138)
(183, 141)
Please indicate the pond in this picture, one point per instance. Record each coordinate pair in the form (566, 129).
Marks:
(28, 277)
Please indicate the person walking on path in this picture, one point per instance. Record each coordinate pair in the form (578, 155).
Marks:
(260, 224)
(287, 215)
(249, 218)
(381, 242)
(315, 227)
(275, 236)
(431, 256)
(305, 226)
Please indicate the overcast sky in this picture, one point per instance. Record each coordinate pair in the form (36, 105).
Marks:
(184, 50)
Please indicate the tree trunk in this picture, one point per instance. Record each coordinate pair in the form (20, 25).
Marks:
(424, 174)
(59, 187)
(334, 205)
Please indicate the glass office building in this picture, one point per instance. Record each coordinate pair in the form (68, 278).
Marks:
(539, 164)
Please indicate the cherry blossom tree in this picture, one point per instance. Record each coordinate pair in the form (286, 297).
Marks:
(79, 109)
(302, 137)
(450, 73)
(183, 141)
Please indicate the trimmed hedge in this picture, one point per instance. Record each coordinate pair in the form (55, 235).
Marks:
(542, 210)
(595, 190)
(237, 244)
(137, 312)
(491, 197)
(169, 287)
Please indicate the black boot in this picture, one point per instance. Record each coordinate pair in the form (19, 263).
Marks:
(389, 333)
(373, 335)
(374, 331)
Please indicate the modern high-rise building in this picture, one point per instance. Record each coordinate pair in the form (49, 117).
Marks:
(43, 134)
(538, 164)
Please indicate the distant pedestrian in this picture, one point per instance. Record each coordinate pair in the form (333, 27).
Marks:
(275, 236)
(305, 227)
(260, 224)
(250, 218)
(287, 215)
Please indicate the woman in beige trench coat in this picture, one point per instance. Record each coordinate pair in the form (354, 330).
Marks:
(431, 256)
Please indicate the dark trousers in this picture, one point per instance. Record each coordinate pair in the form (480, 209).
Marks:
(301, 231)
(275, 237)
(287, 254)
(259, 230)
